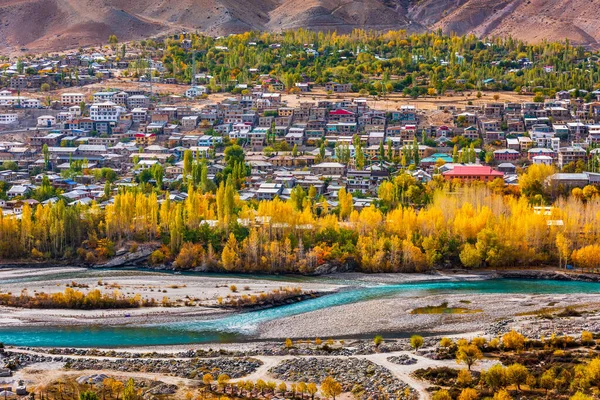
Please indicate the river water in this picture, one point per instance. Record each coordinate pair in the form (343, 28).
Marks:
(241, 326)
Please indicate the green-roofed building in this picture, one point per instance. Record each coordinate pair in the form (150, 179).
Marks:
(432, 159)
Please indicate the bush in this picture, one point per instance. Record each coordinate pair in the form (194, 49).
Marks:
(157, 257)
(587, 337)
(190, 256)
(513, 340)
(446, 342)
(464, 378)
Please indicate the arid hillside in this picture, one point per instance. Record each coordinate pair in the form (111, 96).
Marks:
(46, 25)
(529, 20)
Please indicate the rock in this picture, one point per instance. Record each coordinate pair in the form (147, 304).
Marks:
(403, 359)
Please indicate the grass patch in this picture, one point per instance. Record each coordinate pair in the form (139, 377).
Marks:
(443, 309)
(551, 312)
(543, 312)
(465, 301)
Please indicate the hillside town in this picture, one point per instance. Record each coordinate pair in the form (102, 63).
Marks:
(312, 144)
(124, 108)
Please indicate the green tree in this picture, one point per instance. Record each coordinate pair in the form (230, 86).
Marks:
(88, 395)
(129, 393)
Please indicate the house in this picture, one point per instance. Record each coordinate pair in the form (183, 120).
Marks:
(470, 173)
(303, 87)
(435, 158)
(546, 160)
(189, 123)
(329, 169)
(195, 91)
(295, 137)
(268, 191)
(18, 190)
(139, 115)
(539, 151)
(567, 180)
(101, 97)
(365, 181)
(507, 168)
(71, 99)
(105, 112)
(335, 87)
(138, 101)
(46, 121)
(7, 119)
(506, 155)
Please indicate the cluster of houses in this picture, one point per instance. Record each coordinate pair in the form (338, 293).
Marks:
(128, 131)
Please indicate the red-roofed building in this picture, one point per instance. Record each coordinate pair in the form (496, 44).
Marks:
(470, 173)
(341, 115)
(145, 138)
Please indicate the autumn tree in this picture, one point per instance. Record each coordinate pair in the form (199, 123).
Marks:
(416, 342)
(468, 394)
(312, 389)
(441, 394)
(469, 355)
(517, 374)
(330, 387)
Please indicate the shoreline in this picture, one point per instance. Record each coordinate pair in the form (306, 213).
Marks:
(388, 315)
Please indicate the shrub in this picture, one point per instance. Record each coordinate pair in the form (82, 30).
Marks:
(190, 256)
(157, 257)
(513, 340)
(464, 378)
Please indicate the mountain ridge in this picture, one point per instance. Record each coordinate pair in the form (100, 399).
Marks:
(49, 25)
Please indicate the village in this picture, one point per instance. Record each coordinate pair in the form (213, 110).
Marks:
(310, 143)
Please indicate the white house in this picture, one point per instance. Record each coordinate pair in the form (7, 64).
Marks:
(107, 111)
(7, 119)
(195, 91)
(46, 121)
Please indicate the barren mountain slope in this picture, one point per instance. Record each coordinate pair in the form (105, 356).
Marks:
(341, 15)
(46, 25)
(529, 20)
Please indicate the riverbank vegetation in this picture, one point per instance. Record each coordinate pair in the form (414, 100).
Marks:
(412, 227)
(283, 295)
(558, 367)
(444, 309)
(74, 299)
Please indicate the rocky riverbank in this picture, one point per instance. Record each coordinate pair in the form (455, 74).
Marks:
(362, 377)
(235, 367)
(567, 275)
(189, 368)
(306, 348)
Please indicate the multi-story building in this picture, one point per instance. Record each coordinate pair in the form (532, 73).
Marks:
(570, 154)
(106, 112)
(71, 99)
(138, 101)
(7, 119)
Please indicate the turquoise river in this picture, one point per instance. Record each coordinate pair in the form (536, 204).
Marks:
(242, 326)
